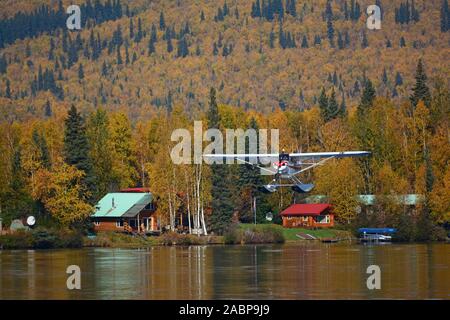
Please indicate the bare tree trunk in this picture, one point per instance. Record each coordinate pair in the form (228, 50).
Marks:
(203, 223)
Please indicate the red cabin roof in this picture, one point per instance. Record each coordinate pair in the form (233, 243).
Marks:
(136, 190)
(306, 209)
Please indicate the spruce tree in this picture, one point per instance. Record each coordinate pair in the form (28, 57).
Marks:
(80, 72)
(421, 90)
(48, 109)
(169, 45)
(248, 182)
(8, 89)
(333, 107)
(323, 104)
(76, 147)
(330, 32)
(162, 21)
(367, 98)
(222, 208)
(304, 42)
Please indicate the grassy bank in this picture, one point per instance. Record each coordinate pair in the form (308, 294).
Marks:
(42, 239)
(121, 240)
(252, 234)
(290, 234)
(237, 234)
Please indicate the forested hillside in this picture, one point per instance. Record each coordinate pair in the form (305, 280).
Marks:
(145, 55)
(91, 111)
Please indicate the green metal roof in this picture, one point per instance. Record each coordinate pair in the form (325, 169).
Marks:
(369, 199)
(115, 205)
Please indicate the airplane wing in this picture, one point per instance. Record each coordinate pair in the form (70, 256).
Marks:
(302, 155)
(242, 155)
(318, 155)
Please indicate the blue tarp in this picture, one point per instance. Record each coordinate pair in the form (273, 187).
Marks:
(377, 230)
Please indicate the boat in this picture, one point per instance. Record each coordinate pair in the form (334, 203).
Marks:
(376, 234)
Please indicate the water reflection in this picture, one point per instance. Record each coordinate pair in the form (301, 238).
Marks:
(300, 271)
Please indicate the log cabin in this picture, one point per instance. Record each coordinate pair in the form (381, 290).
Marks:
(130, 210)
(308, 216)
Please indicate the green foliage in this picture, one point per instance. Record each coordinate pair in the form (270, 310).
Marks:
(421, 90)
(42, 238)
(252, 234)
(76, 147)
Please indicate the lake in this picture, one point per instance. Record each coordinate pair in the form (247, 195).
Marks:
(289, 271)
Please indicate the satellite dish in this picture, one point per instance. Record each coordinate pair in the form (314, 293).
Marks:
(269, 216)
(31, 221)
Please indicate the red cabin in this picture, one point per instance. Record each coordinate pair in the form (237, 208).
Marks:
(308, 216)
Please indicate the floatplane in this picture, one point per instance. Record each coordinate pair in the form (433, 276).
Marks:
(287, 166)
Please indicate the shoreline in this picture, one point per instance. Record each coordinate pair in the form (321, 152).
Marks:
(241, 235)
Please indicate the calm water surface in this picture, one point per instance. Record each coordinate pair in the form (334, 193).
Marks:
(291, 271)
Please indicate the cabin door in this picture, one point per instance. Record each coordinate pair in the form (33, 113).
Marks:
(147, 224)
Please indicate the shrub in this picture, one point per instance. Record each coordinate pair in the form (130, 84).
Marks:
(42, 238)
(263, 233)
(173, 238)
(16, 240)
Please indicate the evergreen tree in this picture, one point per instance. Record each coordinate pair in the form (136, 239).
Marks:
(162, 21)
(421, 90)
(76, 148)
(330, 32)
(104, 69)
(364, 41)
(271, 39)
(169, 45)
(384, 77)
(323, 104)
(80, 72)
(340, 41)
(119, 56)
(98, 133)
(398, 79)
(304, 42)
(222, 209)
(131, 29)
(16, 202)
(48, 109)
(343, 108)
(333, 107)
(388, 43)
(368, 96)
(248, 182)
(3, 64)
(151, 47)
(8, 89)
(40, 144)
(445, 16)
(139, 34)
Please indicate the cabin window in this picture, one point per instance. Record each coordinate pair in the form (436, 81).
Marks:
(119, 224)
(96, 223)
(323, 219)
(149, 206)
(133, 223)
